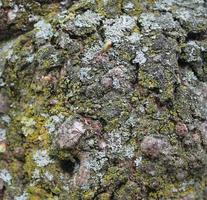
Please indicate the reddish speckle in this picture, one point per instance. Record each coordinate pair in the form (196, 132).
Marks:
(153, 147)
(181, 129)
(107, 82)
(53, 102)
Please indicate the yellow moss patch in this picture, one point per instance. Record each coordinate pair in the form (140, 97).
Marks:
(88, 195)
(29, 165)
(104, 196)
(37, 193)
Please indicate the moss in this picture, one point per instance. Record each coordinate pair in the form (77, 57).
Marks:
(130, 190)
(114, 177)
(80, 6)
(112, 125)
(31, 100)
(137, 7)
(104, 196)
(168, 192)
(37, 193)
(88, 195)
(109, 8)
(112, 8)
(29, 165)
(146, 80)
(167, 128)
(63, 154)
(40, 136)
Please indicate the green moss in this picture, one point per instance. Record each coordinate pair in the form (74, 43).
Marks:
(109, 8)
(37, 193)
(114, 176)
(80, 6)
(88, 195)
(137, 8)
(104, 196)
(146, 80)
(29, 165)
(112, 125)
(129, 190)
(167, 128)
(168, 192)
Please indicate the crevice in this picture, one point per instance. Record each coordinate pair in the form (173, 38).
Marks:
(182, 63)
(99, 191)
(139, 25)
(168, 103)
(69, 166)
(136, 71)
(7, 35)
(76, 37)
(193, 35)
(205, 4)
(117, 187)
(101, 31)
(136, 79)
(2, 189)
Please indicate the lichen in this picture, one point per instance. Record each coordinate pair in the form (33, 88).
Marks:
(44, 31)
(103, 99)
(6, 176)
(42, 158)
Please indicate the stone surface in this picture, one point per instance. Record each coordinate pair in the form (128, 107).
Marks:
(154, 147)
(4, 103)
(103, 99)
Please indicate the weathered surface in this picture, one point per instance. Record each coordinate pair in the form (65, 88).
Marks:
(103, 99)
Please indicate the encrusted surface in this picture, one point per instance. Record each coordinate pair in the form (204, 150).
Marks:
(103, 99)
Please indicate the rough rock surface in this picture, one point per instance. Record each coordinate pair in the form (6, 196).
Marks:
(103, 99)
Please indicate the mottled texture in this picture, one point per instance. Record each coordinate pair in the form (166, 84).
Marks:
(103, 99)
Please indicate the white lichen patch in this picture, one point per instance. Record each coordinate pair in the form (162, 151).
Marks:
(5, 53)
(140, 58)
(53, 122)
(5, 176)
(134, 38)
(87, 20)
(96, 161)
(42, 158)
(151, 21)
(36, 174)
(44, 31)
(84, 73)
(48, 176)
(115, 29)
(28, 126)
(129, 152)
(12, 14)
(2, 134)
(183, 14)
(138, 162)
(92, 52)
(6, 119)
(129, 6)
(30, 58)
(164, 4)
(114, 143)
(24, 196)
(193, 52)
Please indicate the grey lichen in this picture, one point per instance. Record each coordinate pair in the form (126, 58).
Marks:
(115, 29)
(103, 99)
(44, 31)
(6, 176)
(42, 158)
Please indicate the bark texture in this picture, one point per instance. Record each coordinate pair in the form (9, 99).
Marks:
(103, 100)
